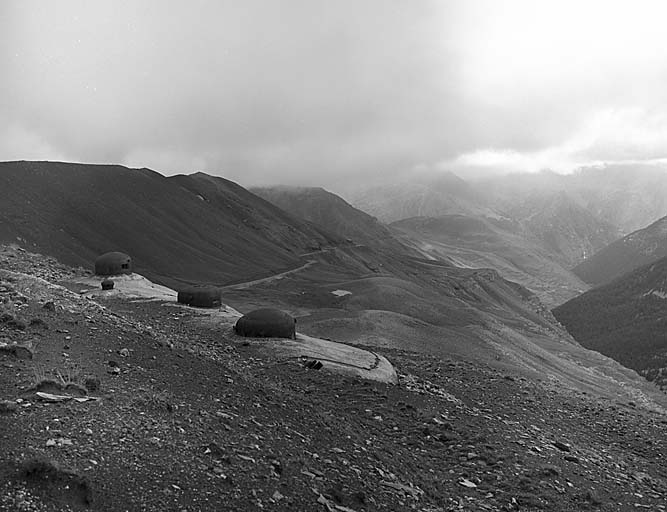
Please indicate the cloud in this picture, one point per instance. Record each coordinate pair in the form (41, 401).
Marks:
(608, 136)
(251, 88)
(319, 92)
(16, 143)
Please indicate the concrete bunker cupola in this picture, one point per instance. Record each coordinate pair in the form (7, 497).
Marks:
(201, 297)
(266, 323)
(113, 264)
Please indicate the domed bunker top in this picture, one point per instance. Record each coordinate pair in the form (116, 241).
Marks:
(113, 264)
(266, 323)
(204, 297)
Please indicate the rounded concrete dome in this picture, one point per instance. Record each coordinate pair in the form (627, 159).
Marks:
(266, 323)
(113, 264)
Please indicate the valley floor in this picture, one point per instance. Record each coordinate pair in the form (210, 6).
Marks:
(191, 417)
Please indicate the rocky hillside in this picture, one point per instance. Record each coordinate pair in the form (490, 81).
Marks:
(141, 405)
(184, 228)
(625, 319)
(564, 229)
(622, 256)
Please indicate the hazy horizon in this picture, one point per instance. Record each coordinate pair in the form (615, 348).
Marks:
(323, 93)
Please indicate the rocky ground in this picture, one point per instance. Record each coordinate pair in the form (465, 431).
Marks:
(166, 413)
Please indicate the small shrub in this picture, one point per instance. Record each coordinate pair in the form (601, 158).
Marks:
(92, 382)
(68, 379)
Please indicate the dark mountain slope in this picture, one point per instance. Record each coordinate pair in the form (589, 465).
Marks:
(632, 251)
(267, 220)
(182, 228)
(329, 211)
(625, 319)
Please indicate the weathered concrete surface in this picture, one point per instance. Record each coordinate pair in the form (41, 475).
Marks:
(130, 286)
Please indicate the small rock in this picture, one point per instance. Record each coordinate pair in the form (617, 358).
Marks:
(549, 470)
(313, 364)
(7, 406)
(124, 352)
(467, 483)
(277, 496)
(562, 446)
(51, 442)
(88, 432)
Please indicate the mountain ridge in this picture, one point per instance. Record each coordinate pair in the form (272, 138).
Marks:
(326, 209)
(78, 211)
(624, 319)
(354, 292)
(639, 248)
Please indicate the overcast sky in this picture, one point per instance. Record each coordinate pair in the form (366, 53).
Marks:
(314, 92)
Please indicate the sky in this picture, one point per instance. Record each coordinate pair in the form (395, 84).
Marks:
(315, 92)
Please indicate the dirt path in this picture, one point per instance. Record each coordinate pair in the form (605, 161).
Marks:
(309, 263)
(248, 284)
